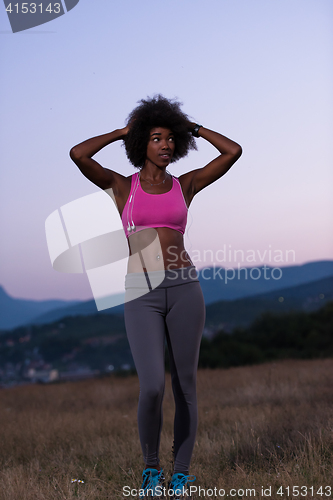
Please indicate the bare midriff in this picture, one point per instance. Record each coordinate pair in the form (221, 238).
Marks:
(154, 249)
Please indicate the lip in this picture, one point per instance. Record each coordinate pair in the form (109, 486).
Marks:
(165, 155)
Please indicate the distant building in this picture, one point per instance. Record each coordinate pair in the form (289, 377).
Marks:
(45, 376)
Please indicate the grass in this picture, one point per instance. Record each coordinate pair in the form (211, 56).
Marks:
(268, 425)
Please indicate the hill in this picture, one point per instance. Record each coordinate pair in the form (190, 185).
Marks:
(251, 281)
(87, 345)
(241, 312)
(270, 337)
(217, 284)
(16, 312)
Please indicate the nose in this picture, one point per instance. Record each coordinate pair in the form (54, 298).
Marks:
(165, 144)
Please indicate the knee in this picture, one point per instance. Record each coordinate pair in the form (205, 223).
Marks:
(184, 385)
(152, 393)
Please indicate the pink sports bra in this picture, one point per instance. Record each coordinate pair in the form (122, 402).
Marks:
(143, 210)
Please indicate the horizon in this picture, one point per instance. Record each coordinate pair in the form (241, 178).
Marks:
(91, 297)
(261, 75)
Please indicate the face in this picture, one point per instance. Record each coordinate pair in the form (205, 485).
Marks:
(161, 146)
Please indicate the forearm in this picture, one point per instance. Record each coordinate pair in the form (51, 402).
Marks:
(82, 153)
(90, 147)
(222, 143)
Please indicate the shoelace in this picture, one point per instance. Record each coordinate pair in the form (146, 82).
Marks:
(179, 482)
(151, 479)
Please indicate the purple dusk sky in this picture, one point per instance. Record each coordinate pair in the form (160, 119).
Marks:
(258, 72)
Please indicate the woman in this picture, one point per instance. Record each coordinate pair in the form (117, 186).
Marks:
(163, 296)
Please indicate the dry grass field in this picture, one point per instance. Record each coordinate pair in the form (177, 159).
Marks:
(269, 425)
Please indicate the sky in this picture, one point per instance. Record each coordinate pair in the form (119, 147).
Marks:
(259, 72)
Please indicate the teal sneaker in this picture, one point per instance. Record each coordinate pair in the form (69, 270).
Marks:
(178, 486)
(152, 484)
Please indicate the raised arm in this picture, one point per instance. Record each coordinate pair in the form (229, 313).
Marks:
(82, 153)
(195, 180)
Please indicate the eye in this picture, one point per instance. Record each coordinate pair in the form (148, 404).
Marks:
(156, 139)
(172, 139)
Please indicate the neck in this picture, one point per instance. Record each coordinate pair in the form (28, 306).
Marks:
(153, 172)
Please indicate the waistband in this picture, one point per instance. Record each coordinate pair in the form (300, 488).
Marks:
(161, 279)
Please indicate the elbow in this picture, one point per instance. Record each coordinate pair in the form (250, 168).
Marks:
(237, 152)
(74, 153)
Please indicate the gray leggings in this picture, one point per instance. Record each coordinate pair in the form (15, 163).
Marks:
(175, 312)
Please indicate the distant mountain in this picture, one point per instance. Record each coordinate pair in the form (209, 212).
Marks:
(99, 341)
(229, 313)
(217, 284)
(16, 312)
(221, 286)
(85, 308)
(241, 312)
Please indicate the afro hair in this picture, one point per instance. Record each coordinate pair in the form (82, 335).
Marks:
(157, 112)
